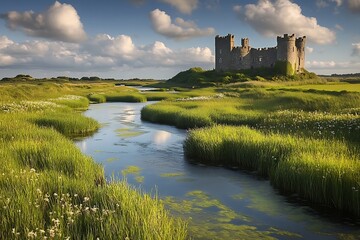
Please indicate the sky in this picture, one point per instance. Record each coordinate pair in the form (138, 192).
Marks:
(158, 38)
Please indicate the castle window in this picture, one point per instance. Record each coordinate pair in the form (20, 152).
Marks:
(220, 51)
(220, 60)
(260, 59)
(293, 49)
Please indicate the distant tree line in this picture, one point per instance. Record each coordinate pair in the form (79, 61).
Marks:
(346, 75)
(24, 77)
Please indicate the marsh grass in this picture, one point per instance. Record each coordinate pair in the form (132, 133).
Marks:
(323, 172)
(96, 98)
(50, 190)
(125, 97)
(72, 101)
(302, 113)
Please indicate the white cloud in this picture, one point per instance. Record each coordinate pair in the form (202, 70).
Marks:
(320, 64)
(179, 30)
(309, 49)
(328, 67)
(354, 5)
(271, 18)
(5, 41)
(59, 22)
(184, 6)
(356, 49)
(105, 45)
(102, 53)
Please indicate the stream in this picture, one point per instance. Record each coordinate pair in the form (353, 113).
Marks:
(218, 203)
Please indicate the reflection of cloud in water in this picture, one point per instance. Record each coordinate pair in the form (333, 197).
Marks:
(82, 145)
(128, 115)
(161, 137)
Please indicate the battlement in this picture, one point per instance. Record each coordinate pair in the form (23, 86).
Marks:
(264, 49)
(301, 38)
(224, 37)
(287, 37)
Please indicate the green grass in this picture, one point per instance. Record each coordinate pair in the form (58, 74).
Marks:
(96, 98)
(48, 188)
(125, 97)
(332, 115)
(337, 86)
(321, 171)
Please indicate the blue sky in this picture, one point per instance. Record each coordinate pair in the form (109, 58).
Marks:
(158, 38)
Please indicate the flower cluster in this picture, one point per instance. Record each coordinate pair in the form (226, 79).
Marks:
(316, 123)
(27, 106)
(201, 98)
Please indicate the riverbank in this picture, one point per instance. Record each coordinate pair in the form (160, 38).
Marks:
(48, 188)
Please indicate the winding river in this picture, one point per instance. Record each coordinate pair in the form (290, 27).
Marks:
(218, 203)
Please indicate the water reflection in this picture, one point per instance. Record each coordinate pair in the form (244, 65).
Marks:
(161, 137)
(128, 114)
(83, 146)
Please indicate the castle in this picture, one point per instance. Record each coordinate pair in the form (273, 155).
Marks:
(289, 52)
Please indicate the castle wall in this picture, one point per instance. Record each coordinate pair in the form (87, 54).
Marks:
(252, 58)
(263, 57)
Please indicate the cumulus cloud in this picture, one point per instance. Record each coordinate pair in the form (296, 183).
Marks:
(354, 6)
(271, 18)
(179, 30)
(101, 53)
(60, 22)
(183, 6)
(356, 50)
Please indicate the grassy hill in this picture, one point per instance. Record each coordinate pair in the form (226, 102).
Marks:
(197, 77)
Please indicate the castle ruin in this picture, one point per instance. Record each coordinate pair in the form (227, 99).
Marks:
(289, 53)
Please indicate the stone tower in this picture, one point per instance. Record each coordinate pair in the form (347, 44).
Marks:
(245, 47)
(223, 48)
(292, 50)
(287, 51)
(300, 45)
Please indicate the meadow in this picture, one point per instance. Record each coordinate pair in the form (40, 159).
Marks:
(49, 189)
(305, 141)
